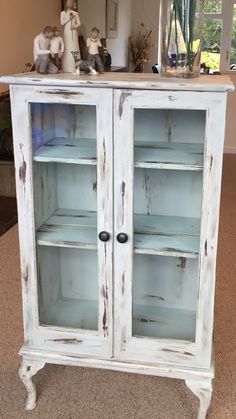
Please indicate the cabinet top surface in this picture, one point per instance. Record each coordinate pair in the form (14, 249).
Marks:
(219, 83)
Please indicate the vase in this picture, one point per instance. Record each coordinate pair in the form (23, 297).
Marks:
(181, 37)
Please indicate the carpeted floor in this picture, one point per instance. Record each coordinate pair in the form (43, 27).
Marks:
(77, 393)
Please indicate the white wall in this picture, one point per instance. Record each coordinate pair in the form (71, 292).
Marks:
(92, 13)
(118, 47)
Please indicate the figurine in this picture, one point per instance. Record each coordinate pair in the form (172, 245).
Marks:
(93, 44)
(42, 59)
(71, 22)
(82, 65)
(57, 48)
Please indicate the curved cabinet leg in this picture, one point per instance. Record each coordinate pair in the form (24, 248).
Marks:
(27, 370)
(203, 390)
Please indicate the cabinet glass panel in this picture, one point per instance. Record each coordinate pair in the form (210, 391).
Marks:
(65, 195)
(168, 176)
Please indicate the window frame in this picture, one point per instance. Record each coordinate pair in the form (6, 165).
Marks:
(226, 16)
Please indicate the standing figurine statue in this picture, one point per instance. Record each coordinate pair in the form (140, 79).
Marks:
(71, 22)
(57, 48)
(93, 44)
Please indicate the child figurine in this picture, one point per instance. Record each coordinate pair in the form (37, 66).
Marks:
(93, 43)
(57, 48)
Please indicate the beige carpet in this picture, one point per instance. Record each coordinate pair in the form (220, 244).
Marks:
(71, 393)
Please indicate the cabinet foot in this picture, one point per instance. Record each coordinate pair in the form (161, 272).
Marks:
(203, 390)
(27, 370)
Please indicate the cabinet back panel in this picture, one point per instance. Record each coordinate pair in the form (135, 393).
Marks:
(79, 274)
(161, 281)
(171, 193)
(78, 121)
(68, 287)
(169, 125)
(77, 187)
(50, 121)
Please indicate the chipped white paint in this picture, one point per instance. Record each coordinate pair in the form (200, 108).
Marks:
(203, 390)
(27, 370)
(123, 80)
(166, 189)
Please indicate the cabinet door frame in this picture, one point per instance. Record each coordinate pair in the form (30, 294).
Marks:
(67, 340)
(170, 351)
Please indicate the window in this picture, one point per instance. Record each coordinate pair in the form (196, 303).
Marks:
(219, 35)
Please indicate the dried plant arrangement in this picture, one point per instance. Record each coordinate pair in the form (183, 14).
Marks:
(139, 46)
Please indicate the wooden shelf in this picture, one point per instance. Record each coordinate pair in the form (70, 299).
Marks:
(168, 236)
(151, 224)
(154, 235)
(171, 156)
(152, 155)
(73, 313)
(163, 323)
(69, 228)
(167, 245)
(68, 150)
(78, 237)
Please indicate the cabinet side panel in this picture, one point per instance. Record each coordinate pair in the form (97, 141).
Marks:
(45, 192)
(49, 288)
(215, 127)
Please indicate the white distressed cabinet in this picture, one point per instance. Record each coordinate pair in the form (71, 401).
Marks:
(118, 186)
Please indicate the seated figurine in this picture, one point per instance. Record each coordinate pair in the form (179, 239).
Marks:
(86, 66)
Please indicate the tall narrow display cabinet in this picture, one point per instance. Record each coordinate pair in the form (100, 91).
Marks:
(118, 186)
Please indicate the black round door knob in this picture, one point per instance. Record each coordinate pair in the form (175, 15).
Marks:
(104, 236)
(122, 238)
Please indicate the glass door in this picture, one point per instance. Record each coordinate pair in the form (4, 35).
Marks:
(158, 204)
(72, 179)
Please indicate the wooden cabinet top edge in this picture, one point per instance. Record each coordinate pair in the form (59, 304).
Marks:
(149, 81)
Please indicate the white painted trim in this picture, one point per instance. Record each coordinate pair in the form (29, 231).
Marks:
(157, 369)
(205, 83)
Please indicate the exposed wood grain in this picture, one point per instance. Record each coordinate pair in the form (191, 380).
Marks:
(27, 370)
(123, 80)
